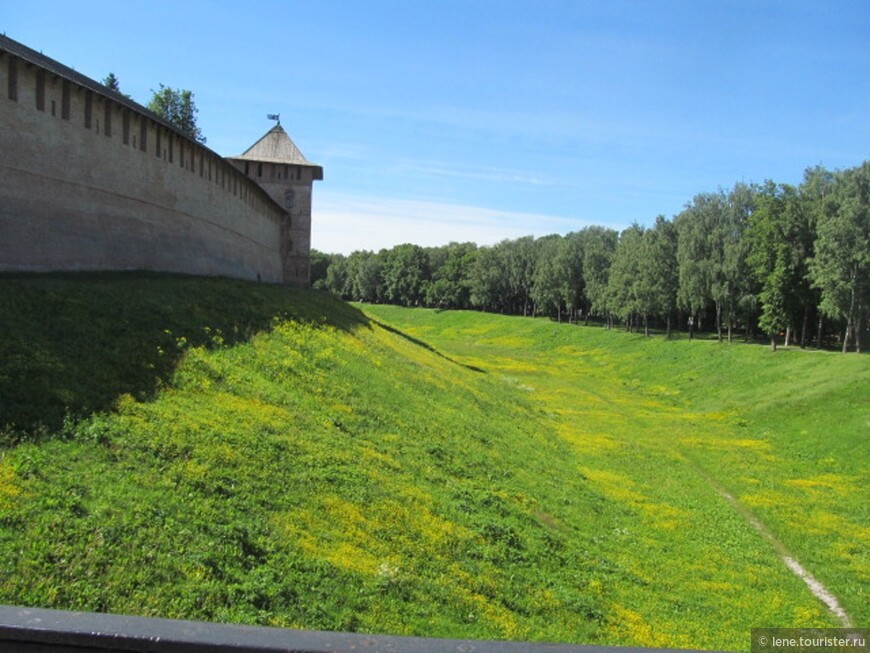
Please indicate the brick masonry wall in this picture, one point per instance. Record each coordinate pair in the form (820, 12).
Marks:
(78, 191)
(291, 187)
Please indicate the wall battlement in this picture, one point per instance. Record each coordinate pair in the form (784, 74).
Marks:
(90, 180)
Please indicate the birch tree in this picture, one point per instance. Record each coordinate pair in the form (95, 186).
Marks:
(841, 265)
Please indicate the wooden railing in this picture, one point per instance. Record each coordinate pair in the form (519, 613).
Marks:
(35, 630)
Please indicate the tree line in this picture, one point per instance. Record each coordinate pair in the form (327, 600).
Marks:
(768, 259)
(763, 260)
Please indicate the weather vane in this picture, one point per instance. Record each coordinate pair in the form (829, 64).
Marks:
(274, 116)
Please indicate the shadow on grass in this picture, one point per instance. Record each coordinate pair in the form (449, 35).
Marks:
(71, 344)
(424, 345)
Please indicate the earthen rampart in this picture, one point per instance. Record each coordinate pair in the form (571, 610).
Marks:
(89, 180)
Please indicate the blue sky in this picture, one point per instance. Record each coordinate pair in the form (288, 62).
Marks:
(485, 120)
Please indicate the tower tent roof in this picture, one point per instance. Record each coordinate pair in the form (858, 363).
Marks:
(275, 147)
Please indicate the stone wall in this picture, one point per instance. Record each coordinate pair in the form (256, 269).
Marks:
(290, 186)
(89, 183)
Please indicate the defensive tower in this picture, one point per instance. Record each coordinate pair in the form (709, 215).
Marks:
(278, 167)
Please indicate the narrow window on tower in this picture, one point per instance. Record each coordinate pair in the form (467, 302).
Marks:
(13, 79)
(125, 126)
(107, 118)
(89, 108)
(40, 90)
(143, 134)
(65, 100)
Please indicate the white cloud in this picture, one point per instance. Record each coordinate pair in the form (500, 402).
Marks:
(343, 223)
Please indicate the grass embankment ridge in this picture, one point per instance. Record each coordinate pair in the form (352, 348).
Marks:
(283, 458)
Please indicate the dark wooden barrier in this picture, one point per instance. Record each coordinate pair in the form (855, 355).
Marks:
(35, 630)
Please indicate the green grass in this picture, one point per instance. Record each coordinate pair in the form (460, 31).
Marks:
(206, 449)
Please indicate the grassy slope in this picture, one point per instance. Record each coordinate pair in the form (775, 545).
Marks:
(449, 474)
(786, 433)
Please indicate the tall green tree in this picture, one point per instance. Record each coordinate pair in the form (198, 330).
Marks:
(111, 82)
(721, 219)
(841, 265)
(574, 289)
(451, 267)
(780, 237)
(658, 271)
(520, 257)
(336, 280)
(178, 107)
(769, 255)
(819, 204)
(365, 280)
(733, 274)
(550, 275)
(405, 274)
(488, 279)
(624, 283)
(598, 251)
(694, 257)
(320, 263)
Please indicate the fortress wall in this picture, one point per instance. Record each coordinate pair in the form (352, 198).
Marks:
(276, 179)
(89, 184)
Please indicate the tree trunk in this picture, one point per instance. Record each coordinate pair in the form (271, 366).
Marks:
(806, 325)
(719, 321)
(645, 326)
(773, 341)
(821, 324)
(858, 334)
(668, 320)
(787, 335)
(850, 320)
